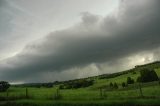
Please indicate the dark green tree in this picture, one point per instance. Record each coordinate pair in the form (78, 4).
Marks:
(4, 86)
(115, 85)
(148, 75)
(123, 84)
(130, 80)
(111, 84)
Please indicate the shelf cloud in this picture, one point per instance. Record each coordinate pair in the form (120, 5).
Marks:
(97, 42)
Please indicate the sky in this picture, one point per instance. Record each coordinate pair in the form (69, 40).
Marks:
(50, 40)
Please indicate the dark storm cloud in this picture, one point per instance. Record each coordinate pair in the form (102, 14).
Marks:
(134, 29)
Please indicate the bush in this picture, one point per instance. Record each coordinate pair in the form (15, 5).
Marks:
(148, 75)
(130, 80)
(4, 86)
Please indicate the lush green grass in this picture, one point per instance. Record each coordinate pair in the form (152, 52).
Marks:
(128, 102)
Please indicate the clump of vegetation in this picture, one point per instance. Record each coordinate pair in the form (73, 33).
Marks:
(130, 80)
(147, 75)
(4, 86)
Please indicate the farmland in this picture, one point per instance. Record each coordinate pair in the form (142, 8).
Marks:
(98, 94)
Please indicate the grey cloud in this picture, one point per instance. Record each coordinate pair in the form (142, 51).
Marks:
(134, 29)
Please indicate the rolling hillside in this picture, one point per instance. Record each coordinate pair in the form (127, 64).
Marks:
(97, 94)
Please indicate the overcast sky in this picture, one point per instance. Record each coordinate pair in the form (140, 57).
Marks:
(48, 40)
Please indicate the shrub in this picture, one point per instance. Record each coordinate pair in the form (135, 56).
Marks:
(4, 86)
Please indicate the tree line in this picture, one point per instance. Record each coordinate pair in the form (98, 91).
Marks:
(77, 84)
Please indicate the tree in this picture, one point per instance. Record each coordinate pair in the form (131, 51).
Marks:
(123, 84)
(111, 84)
(130, 80)
(115, 85)
(148, 75)
(4, 86)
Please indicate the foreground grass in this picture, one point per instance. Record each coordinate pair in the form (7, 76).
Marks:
(128, 102)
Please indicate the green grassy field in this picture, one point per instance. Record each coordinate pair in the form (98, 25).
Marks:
(88, 96)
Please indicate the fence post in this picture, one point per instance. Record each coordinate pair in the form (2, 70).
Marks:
(101, 93)
(7, 95)
(26, 92)
(57, 92)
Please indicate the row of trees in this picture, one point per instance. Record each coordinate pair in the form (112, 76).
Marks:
(76, 84)
(39, 85)
(113, 85)
(124, 84)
